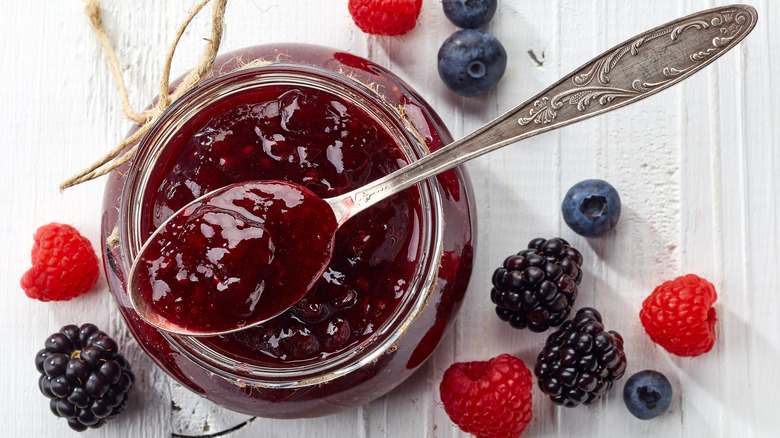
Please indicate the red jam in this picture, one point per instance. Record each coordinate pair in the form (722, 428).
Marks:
(235, 257)
(330, 147)
(399, 270)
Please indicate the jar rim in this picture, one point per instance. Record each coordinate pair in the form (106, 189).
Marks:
(384, 339)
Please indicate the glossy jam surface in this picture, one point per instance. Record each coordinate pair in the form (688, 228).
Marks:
(329, 146)
(235, 257)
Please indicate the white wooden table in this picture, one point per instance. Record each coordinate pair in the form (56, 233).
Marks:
(696, 167)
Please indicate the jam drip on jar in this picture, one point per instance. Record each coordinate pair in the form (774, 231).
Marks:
(329, 146)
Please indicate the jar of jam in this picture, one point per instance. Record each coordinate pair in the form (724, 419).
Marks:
(331, 122)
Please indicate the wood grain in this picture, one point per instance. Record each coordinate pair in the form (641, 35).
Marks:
(696, 167)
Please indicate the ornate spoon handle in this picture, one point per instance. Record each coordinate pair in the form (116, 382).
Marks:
(644, 65)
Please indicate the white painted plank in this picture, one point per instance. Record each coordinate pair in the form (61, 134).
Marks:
(697, 168)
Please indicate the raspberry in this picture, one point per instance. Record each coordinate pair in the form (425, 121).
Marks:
(64, 265)
(488, 399)
(679, 316)
(385, 17)
(85, 378)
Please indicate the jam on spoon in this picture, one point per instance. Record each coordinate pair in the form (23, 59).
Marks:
(232, 258)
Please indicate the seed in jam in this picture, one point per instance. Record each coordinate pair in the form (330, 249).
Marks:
(235, 257)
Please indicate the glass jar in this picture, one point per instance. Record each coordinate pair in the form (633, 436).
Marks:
(330, 121)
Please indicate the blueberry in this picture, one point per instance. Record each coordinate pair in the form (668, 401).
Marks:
(591, 208)
(647, 394)
(471, 62)
(469, 14)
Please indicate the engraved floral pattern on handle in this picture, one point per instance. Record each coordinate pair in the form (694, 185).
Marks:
(593, 84)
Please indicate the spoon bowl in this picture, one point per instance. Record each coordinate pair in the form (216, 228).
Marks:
(233, 258)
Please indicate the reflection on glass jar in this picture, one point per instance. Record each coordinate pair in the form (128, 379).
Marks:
(331, 122)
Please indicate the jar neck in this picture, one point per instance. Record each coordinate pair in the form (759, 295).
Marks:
(166, 128)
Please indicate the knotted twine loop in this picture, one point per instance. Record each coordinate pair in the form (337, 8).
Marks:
(202, 70)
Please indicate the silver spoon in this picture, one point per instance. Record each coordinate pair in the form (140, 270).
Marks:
(644, 65)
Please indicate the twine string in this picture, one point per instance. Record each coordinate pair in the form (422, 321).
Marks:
(202, 70)
(92, 9)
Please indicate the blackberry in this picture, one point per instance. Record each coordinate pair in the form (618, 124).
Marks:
(84, 376)
(536, 288)
(580, 361)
